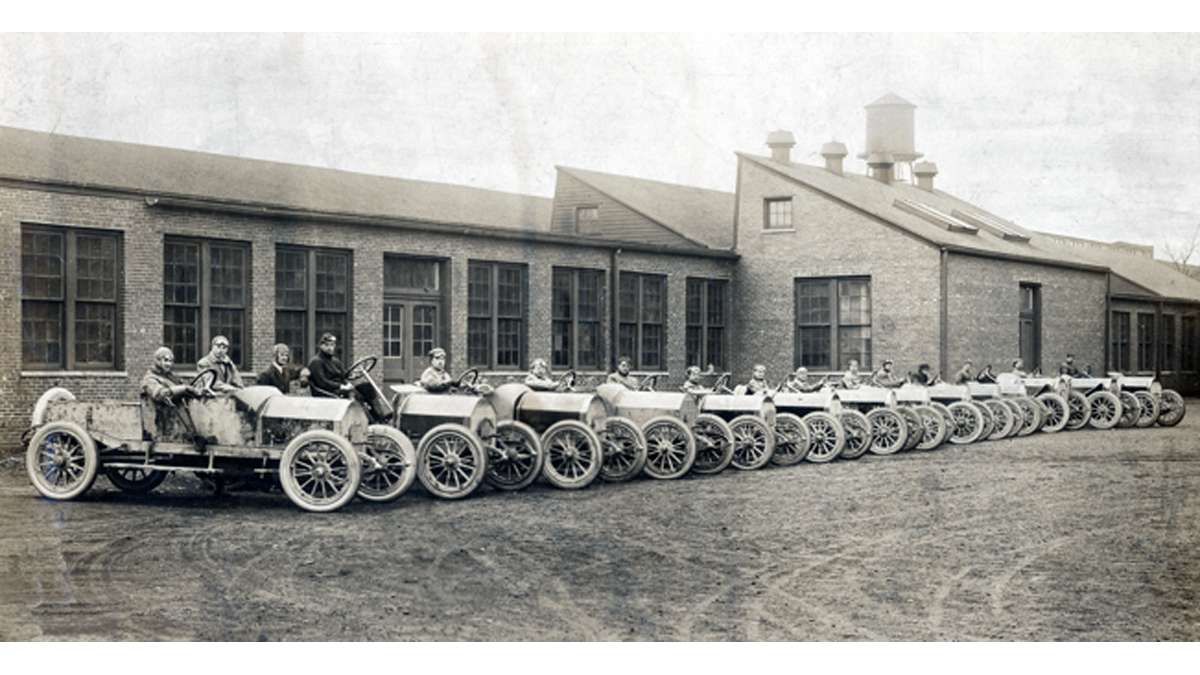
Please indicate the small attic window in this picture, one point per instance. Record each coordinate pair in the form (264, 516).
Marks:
(935, 216)
(585, 217)
(777, 213)
(993, 224)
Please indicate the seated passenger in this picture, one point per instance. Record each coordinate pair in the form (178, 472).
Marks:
(435, 379)
(623, 376)
(923, 376)
(986, 376)
(758, 382)
(799, 382)
(693, 385)
(851, 379)
(282, 374)
(964, 374)
(884, 377)
(1018, 368)
(1068, 367)
(540, 379)
(228, 377)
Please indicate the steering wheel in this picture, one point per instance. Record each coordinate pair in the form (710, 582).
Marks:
(722, 384)
(468, 378)
(568, 379)
(648, 383)
(204, 381)
(366, 364)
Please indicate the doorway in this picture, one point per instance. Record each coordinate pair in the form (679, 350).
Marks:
(413, 315)
(1029, 326)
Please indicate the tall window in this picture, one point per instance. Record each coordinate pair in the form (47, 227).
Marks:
(706, 321)
(1189, 343)
(641, 334)
(1120, 341)
(833, 322)
(576, 318)
(70, 291)
(205, 290)
(1145, 342)
(496, 299)
(311, 298)
(777, 213)
(585, 218)
(1166, 356)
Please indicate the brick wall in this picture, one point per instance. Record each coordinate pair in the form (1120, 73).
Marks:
(143, 230)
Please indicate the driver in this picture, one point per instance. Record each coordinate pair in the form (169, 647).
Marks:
(1018, 368)
(851, 379)
(758, 382)
(539, 378)
(986, 376)
(1068, 367)
(623, 376)
(327, 376)
(964, 374)
(160, 383)
(437, 380)
(799, 383)
(884, 377)
(923, 376)
(228, 377)
(693, 385)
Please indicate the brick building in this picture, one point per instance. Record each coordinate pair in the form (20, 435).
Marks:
(113, 249)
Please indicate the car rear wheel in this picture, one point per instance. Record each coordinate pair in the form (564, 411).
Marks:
(1031, 415)
(319, 471)
(714, 444)
(934, 427)
(753, 442)
(1056, 412)
(791, 440)
(624, 449)
(451, 462)
(1131, 410)
(858, 434)
(1172, 410)
(135, 480)
(1104, 410)
(1003, 417)
(889, 431)
(827, 437)
(1150, 409)
(670, 448)
(61, 460)
(391, 465)
(1078, 411)
(574, 455)
(968, 423)
(515, 457)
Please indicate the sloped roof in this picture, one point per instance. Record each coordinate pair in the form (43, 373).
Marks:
(701, 215)
(889, 99)
(74, 160)
(1156, 276)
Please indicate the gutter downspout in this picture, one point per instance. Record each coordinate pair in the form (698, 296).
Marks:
(1108, 364)
(615, 295)
(1159, 338)
(943, 312)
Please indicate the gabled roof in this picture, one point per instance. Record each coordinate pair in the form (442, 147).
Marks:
(697, 214)
(1137, 266)
(93, 163)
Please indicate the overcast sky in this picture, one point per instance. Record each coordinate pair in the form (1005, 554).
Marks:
(1095, 136)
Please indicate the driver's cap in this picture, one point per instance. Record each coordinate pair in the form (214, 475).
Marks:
(436, 352)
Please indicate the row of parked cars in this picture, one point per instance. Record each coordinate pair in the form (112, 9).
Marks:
(323, 452)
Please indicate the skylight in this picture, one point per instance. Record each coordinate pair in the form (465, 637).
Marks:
(993, 224)
(939, 218)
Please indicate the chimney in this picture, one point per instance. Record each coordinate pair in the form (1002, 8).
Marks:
(880, 166)
(834, 153)
(781, 143)
(925, 171)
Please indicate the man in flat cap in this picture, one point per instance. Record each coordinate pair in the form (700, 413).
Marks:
(228, 377)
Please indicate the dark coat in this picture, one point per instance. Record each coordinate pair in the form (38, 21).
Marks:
(326, 375)
(281, 379)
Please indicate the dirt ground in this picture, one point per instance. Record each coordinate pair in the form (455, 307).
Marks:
(1072, 536)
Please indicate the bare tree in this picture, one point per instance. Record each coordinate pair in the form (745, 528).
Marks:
(1181, 255)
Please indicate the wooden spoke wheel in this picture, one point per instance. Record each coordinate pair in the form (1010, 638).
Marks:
(1003, 419)
(753, 442)
(1150, 409)
(916, 430)
(1031, 415)
(791, 440)
(61, 460)
(1131, 410)
(968, 423)
(137, 481)
(319, 471)
(670, 448)
(1055, 412)
(714, 444)
(390, 465)
(989, 420)
(889, 431)
(934, 427)
(624, 449)
(826, 437)
(451, 461)
(1104, 410)
(574, 455)
(1078, 411)
(858, 434)
(1171, 408)
(515, 457)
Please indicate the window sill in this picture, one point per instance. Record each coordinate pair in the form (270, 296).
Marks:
(73, 373)
(778, 230)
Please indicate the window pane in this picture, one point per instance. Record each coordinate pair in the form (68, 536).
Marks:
(854, 343)
(1145, 341)
(479, 342)
(779, 213)
(588, 351)
(181, 330)
(96, 266)
(1189, 343)
(560, 344)
(812, 302)
(1120, 341)
(715, 310)
(716, 348)
(508, 343)
(1167, 357)
(330, 322)
(653, 299)
(181, 276)
(290, 329)
(589, 282)
(291, 281)
(41, 265)
(228, 276)
(229, 322)
(410, 274)
(627, 342)
(41, 333)
(695, 293)
(628, 297)
(511, 290)
(560, 295)
(94, 333)
(814, 347)
(333, 271)
(424, 322)
(854, 302)
(693, 341)
(651, 346)
(393, 327)
(479, 290)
